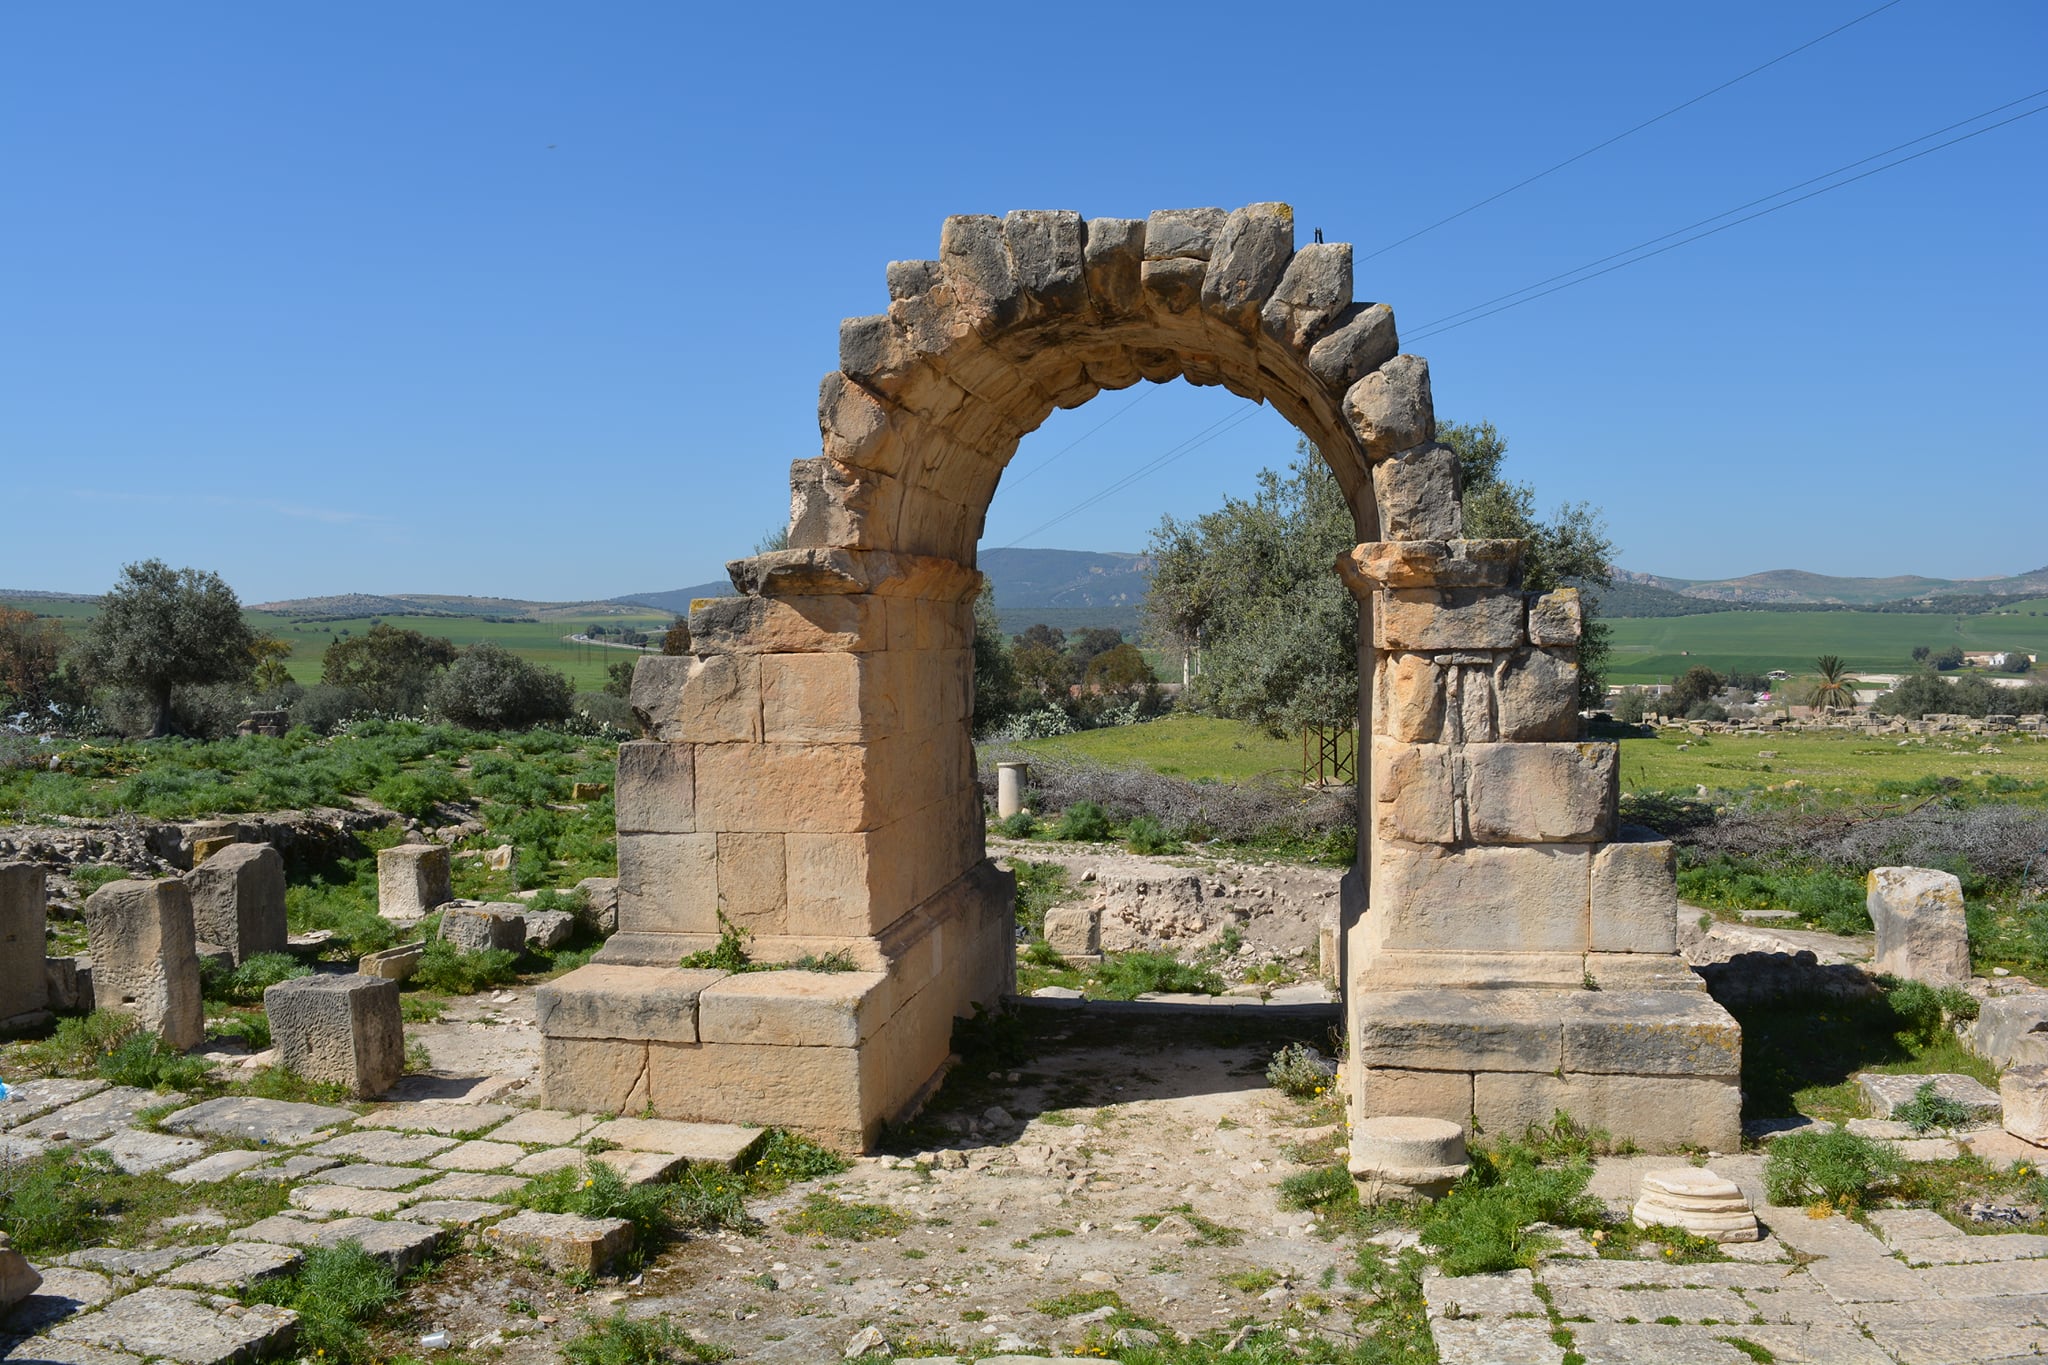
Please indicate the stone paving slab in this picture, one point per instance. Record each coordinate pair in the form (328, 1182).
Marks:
(478, 1156)
(1648, 1305)
(1966, 1250)
(219, 1166)
(14, 1148)
(399, 1244)
(134, 1264)
(282, 1122)
(448, 1118)
(99, 1115)
(546, 1128)
(33, 1099)
(1985, 1281)
(1819, 1344)
(185, 1326)
(390, 1149)
(330, 1199)
(1654, 1344)
(1488, 1341)
(554, 1159)
(459, 1212)
(292, 1168)
(1934, 1334)
(66, 1291)
(465, 1185)
(643, 1168)
(1713, 1275)
(235, 1266)
(137, 1151)
(1900, 1225)
(43, 1351)
(370, 1176)
(724, 1144)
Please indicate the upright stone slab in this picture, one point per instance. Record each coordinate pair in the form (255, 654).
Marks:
(238, 900)
(343, 1029)
(412, 879)
(143, 958)
(1921, 934)
(24, 983)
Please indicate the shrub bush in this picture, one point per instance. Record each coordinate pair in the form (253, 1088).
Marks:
(488, 687)
(335, 1291)
(1135, 974)
(621, 1340)
(444, 967)
(1022, 825)
(249, 980)
(1083, 821)
(1146, 835)
(49, 1203)
(1482, 1225)
(1928, 1110)
(1300, 1071)
(142, 1060)
(1838, 1168)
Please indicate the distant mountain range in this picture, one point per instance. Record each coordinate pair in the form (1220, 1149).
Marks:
(1085, 587)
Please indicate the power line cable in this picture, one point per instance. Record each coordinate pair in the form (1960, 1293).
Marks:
(1143, 394)
(1439, 329)
(1152, 466)
(1630, 132)
(1762, 199)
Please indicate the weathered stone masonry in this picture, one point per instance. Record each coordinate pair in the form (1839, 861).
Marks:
(809, 774)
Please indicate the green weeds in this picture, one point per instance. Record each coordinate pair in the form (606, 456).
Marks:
(1836, 1168)
(620, 1340)
(824, 1215)
(335, 1291)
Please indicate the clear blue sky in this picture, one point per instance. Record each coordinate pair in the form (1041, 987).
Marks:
(533, 300)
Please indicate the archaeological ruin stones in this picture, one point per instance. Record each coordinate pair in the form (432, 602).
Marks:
(144, 963)
(412, 879)
(238, 900)
(1921, 934)
(24, 982)
(342, 1029)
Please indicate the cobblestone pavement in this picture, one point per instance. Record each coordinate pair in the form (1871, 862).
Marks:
(1917, 1291)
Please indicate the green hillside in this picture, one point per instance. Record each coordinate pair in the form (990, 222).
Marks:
(1657, 649)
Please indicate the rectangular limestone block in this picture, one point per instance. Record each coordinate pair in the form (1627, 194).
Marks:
(238, 900)
(657, 787)
(1456, 618)
(750, 882)
(784, 788)
(1413, 797)
(1536, 695)
(1505, 1030)
(1389, 1090)
(1634, 894)
(668, 883)
(603, 1001)
(793, 1009)
(24, 942)
(1074, 930)
(828, 623)
(345, 1030)
(825, 1093)
(144, 959)
(1408, 698)
(829, 698)
(1541, 793)
(1657, 1113)
(1396, 969)
(1527, 899)
(1647, 1033)
(850, 884)
(595, 1075)
(1643, 972)
(708, 699)
(412, 879)
(918, 624)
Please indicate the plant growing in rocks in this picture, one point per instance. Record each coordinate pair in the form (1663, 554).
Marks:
(1838, 1168)
(1300, 1072)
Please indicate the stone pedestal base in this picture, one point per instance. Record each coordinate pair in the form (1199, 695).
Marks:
(830, 1055)
(1659, 1068)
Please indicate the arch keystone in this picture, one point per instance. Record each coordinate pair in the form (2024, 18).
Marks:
(1250, 256)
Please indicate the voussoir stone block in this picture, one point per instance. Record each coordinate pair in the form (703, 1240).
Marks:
(1313, 291)
(1361, 339)
(238, 900)
(412, 879)
(1921, 934)
(24, 942)
(343, 1029)
(1250, 256)
(145, 961)
(1634, 897)
(1390, 408)
(1541, 793)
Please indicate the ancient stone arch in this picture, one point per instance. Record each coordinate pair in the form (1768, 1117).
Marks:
(809, 774)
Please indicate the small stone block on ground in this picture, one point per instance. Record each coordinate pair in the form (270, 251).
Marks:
(235, 1265)
(553, 1159)
(461, 1213)
(564, 1242)
(291, 1168)
(136, 1151)
(400, 1245)
(258, 1120)
(469, 1185)
(2023, 1092)
(185, 1326)
(642, 1168)
(448, 1118)
(326, 1200)
(392, 1149)
(1884, 1093)
(371, 1176)
(342, 1029)
(722, 1144)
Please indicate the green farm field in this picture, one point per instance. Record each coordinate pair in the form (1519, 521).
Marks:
(1656, 649)
(1202, 747)
(540, 641)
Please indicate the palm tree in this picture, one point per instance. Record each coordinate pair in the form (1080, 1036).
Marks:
(1834, 687)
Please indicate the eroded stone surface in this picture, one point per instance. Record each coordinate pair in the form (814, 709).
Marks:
(184, 1326)
(258, 1120)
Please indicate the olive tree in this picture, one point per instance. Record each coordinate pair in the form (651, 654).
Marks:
(160, 628)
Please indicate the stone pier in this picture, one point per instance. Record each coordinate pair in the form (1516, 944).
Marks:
(808, 776)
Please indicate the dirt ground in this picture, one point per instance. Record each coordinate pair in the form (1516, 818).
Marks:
(1025, 1185)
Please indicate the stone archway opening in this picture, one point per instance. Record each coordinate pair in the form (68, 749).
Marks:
(809, 773)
